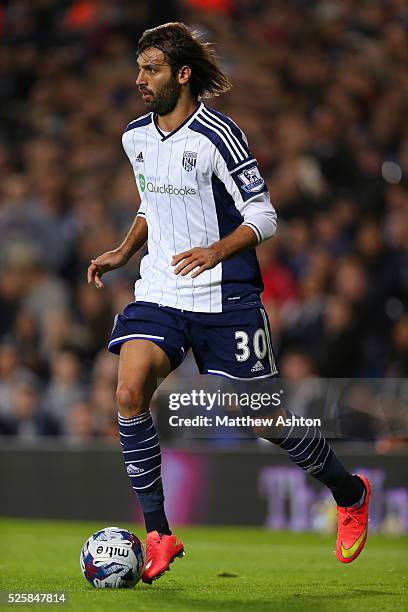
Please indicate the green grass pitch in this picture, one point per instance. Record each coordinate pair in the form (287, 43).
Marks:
(267, 571)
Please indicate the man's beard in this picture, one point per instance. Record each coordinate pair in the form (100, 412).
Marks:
(165, 100)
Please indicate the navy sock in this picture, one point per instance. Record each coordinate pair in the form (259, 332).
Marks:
(351, 492)
(308, 449)
(157, 521)
(142, 457)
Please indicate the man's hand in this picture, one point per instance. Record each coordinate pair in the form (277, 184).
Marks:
(202, 258)
(104, 263)
(206, 258)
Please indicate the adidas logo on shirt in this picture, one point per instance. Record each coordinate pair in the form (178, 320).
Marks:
(132, 470)
(139, 158)
(258, 367)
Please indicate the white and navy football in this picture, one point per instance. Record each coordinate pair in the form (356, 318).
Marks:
(112, 558)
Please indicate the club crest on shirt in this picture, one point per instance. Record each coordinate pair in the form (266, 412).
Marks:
(189, 160)
(251, 180)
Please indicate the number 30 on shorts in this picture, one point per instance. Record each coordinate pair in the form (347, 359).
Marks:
(259, 344)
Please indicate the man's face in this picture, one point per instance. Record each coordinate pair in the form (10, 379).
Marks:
(160, 89)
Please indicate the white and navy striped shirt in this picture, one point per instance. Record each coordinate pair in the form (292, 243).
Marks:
(197, 184)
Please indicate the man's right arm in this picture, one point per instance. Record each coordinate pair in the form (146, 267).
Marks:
(117, 258)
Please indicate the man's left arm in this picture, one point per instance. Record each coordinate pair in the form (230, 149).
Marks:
(251, 199)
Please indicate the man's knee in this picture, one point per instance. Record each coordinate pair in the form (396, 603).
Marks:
(131, 401)
(264, 432)
(270, 428)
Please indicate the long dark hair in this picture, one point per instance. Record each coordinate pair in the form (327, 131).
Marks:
(184, 47)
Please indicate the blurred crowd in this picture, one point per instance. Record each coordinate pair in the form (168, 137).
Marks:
(321, 91)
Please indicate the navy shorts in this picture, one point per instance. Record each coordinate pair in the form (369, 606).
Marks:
(236, 344)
